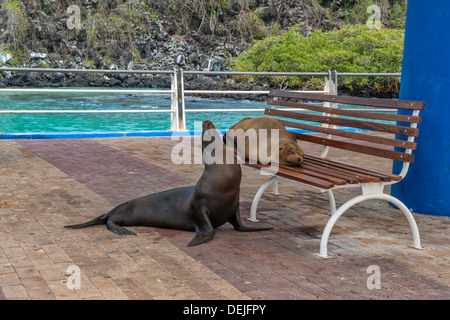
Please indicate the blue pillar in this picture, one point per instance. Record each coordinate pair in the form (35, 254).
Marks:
(426, 77)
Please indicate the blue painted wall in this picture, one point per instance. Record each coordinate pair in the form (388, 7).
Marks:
(426, 77)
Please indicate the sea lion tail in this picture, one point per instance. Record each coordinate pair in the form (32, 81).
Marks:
(96, 221)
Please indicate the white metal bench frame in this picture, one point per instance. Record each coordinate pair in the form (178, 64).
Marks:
(370, 191)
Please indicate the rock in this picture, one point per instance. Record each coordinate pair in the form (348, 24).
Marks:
(58, 77)
(193, 58)
(37, 56)
(218, 63)
(112, 66)
(204, 80)
(161, 81)
(268, 14)
(180, 60)
(132, 82)
(4, 57)
(7, 74)
(113, 82)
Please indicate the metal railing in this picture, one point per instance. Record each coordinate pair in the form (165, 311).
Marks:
(177, 92)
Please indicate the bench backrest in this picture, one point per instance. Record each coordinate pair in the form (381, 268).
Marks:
(329, 116)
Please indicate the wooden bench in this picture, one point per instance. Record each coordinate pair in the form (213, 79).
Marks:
(326, 174)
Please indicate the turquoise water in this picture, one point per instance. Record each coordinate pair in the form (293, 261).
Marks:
(20, 123)
(114, 122)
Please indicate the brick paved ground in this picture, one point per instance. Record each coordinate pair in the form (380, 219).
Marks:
(46, 184)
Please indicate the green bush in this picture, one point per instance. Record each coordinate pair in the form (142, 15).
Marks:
(353, 48)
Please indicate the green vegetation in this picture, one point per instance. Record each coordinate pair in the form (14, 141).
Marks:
(112, 32)
(353, 48)
(15, 25)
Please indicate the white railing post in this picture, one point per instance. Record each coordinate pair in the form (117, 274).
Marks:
(178, 120)
(330, 87)
(334, 83)
(180, 98)
(174, 102)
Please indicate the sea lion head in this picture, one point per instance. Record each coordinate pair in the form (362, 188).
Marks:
(290, 153)
(209, 134)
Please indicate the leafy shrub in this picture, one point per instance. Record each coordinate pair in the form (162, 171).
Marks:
(353, 48)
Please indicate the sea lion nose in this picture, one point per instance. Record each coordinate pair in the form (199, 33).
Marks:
(299, 160)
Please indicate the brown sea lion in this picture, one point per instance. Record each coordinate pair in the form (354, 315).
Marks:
(261, 149)
(200, 208)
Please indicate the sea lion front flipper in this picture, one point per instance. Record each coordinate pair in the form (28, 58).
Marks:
(121, 231)
(204, 231)
(201, 238)
(235, 220)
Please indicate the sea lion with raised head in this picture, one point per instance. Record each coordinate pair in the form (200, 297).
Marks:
(200, 208)
(247, 138)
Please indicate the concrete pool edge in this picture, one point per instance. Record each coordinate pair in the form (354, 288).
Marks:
(115, 134)
(96, 134)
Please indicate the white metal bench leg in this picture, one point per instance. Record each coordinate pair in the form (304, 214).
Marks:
(275, 188)
(258, 197)
(332, 201)
(361, 198)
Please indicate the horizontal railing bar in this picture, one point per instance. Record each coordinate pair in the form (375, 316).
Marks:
(238, 92)
(356, 74)
(39, 90)
(86, 70)
(248, 73)
(261, 110)
(229, 110)
(84, 111)
(224, 110)
(216, 73)
(159, 111)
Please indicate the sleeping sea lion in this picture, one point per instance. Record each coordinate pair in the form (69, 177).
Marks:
(259, 148)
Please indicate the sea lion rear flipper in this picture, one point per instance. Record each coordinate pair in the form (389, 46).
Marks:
(96, 221)
(235, 220)
(121, 231)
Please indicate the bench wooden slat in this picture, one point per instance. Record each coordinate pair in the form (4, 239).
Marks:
(360, 177)
(297, 176)
(395, 155)
(380, 177)
(368, 125)
(334, 180)
(392, 176)
(369, 102)
(352, 135)
(348, 113)
(349, 179)
(350, 176)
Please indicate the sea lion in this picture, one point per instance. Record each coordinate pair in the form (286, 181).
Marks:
(212, 202)
(260, 148)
